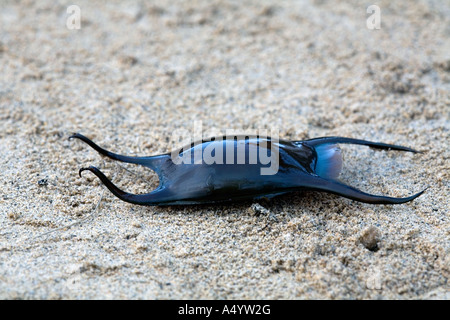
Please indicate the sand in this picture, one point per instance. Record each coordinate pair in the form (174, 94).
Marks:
(135, 72)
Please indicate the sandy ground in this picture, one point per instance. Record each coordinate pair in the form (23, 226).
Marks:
(134, 72)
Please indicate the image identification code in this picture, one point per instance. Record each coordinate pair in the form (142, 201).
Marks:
(226, 309)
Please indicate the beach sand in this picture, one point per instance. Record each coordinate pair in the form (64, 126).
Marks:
(135, 72)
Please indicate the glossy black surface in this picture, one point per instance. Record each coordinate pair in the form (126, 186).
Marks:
(206, 182)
